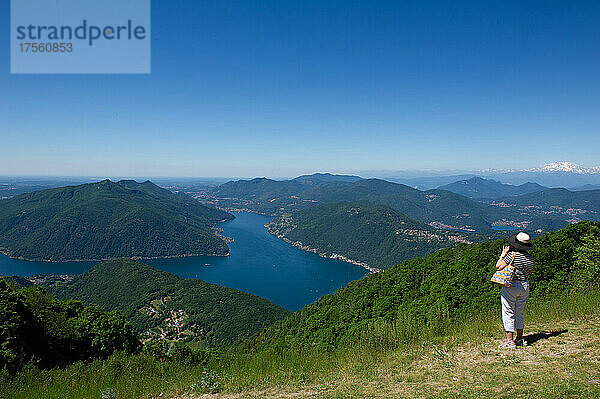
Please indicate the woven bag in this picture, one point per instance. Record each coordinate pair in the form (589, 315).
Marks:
(504, 277)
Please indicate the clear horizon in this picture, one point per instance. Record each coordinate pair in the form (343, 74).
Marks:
(283, 89)
(408, 174)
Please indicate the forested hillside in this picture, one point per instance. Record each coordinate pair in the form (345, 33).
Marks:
(319, 178)
(37, 329)
(479, 188)
(108, 220)
(425, 206)
(434, 291)
(434, 206)
(538, 211)
(417, 324)
(373, 234)
(588, 200)
(185, 309)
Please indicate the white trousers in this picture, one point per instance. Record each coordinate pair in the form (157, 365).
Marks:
(513, 304)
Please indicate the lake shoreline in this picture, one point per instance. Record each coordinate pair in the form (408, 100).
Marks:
(300, 245)
(258, 264)
(7, 254)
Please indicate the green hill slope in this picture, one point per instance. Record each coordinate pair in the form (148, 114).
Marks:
(434, 206)
(479, 188)
(19, 281)
(108, 220)
(588, 200)
(425, 328)
(553, 208)
(37, 329)
(436, 290)
(259, 189)
(376, 235)
(318, 178)
(185, 309)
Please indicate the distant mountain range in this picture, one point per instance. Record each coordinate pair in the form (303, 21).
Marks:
(428, 182)
(480, 188)
(440, 208)
(379, 236)
(586, 187)
(316, 178)
(11, 186)
(554, 174)
(558, 179)
(108, 220)
(563, 166)
(163, 306)
(538, 201)
(435, 206)
(576, 201)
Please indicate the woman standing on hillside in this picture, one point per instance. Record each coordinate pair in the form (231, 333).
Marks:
(514, 298)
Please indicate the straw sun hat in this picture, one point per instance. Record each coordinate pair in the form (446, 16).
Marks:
(521, 241)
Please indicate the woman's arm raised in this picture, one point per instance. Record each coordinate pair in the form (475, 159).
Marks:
(501, 264)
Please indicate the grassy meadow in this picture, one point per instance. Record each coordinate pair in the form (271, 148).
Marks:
(394, 359)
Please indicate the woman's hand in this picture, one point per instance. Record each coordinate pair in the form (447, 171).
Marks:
(501, 264)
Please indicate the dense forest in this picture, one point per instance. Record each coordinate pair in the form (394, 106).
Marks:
(108, 220)
(38, 329)
(447, 286)
(214, 315)
(373, 234)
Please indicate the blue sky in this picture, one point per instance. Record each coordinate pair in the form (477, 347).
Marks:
(279, 88)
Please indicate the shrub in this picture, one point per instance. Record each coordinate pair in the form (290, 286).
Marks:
(38, 329)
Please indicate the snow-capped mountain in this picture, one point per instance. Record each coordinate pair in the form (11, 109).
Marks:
(554, 174)
(563, 166)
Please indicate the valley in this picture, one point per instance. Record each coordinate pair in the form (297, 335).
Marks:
(258, 263)
(407, 327)
(343, 263)
(300, 199)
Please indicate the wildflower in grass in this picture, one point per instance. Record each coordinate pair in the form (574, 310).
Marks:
(209, 383)
(109, 393)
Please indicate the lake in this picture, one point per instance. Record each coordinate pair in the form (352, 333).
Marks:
(505, 228)
(259, 263)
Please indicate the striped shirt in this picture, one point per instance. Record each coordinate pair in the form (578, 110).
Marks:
(523, 263)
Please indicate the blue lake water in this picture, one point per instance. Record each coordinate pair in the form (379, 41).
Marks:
(259, 263)
(504, 228)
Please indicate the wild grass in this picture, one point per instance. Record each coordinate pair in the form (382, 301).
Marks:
(388, 359)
